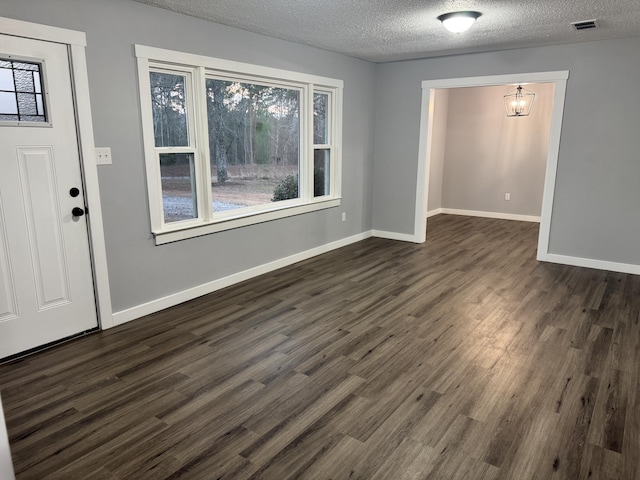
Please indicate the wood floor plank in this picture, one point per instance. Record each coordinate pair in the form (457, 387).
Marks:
(411, 458)
(459, 359)
(284, 433)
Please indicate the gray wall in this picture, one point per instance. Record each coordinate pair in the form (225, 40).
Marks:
(139, 271)
(488, 154)
(438, 144)
(595, 211)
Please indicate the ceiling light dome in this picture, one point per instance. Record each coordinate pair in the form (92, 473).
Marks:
(458, 22)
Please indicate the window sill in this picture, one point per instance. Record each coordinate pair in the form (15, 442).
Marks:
(183, 233)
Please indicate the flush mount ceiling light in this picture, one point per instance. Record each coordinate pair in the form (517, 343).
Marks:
(518, 102)
(458, 22)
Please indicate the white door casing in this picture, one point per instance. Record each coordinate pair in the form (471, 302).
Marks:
(6, 467)
(46, 282)
(559, 78)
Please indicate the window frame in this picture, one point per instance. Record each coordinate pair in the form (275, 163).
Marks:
(192, 148)
(329, 146)
(200, 68)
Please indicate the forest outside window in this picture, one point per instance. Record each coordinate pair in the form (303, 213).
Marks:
(230, 144)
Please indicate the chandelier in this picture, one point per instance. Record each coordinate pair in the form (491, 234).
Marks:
(518, 102)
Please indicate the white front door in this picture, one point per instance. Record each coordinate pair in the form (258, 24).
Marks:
(46, 282)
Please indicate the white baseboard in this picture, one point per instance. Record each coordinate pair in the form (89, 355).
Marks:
(153, 306)
(590, 263)
(501, 216)
(406, 237)
(434, 212)
(403, 237)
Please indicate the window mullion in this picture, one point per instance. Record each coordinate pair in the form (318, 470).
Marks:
(307, 149)
(202, 129)
(194, 138)
(336, 142)
(331, 141)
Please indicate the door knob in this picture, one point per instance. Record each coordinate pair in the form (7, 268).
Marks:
(77, 212)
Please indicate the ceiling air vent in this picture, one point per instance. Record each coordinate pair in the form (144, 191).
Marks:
(586, 25)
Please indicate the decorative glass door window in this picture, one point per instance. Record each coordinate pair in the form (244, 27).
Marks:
(21, 92)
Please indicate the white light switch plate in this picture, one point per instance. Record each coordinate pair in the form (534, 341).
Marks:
(103, 156)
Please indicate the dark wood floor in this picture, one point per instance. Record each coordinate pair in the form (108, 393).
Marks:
(462, 358)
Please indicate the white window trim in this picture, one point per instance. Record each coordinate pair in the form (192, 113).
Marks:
(335, 139)
(201, 67)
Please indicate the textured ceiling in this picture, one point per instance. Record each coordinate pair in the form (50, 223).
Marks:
(388, 30)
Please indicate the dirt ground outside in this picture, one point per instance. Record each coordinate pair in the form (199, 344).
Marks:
(246, 185)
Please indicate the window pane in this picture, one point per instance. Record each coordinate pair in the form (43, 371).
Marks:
(320, 121)
(178, 187)
(27, 104)
(37, 82)
(8, 103)
(31, 118)
(24, 81)
(254, 142)
(169, 103)
(6, 79)
(34, 67)
(40, 104)
(321, 172)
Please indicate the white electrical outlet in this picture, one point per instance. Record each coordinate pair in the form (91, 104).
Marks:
(103, 156)
(507, 196)
(344, 216)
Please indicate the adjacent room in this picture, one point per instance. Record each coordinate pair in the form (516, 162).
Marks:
(483, 162)
(322, 241)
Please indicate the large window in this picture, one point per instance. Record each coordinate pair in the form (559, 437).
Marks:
(230, 144)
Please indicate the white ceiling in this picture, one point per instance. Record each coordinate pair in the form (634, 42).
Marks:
(388, 30)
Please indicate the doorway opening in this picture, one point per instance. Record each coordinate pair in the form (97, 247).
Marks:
(484, 163)
(555, 82)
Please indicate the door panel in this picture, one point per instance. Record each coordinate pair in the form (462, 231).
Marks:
(8, 302)
(46, 245)
(46, 282)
